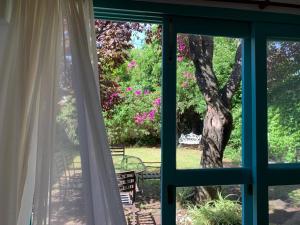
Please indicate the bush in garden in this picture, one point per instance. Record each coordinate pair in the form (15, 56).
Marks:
(284, 120)
(143, 71)
(217, 212)
(67, 119)
(188, 94)
(110, 93)
(136, 118)
(185, 196)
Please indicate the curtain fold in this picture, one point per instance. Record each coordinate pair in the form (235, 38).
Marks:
(55, 162)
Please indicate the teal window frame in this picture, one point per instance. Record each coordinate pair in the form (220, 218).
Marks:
(255, 28)
(171, 177)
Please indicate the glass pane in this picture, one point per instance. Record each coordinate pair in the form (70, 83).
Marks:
(283, 64)
(284, 205)
(209, 107)
(224, 205)
(130, 65)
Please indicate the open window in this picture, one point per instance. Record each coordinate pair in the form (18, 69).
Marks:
(267, 166)
(185, 42)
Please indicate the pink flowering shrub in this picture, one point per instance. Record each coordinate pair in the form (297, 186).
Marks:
(137, 117)
(110, 94)
(182, 48)
(140, 118)
(156, 102)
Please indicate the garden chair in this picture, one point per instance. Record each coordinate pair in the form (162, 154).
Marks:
(74, 170)
(117, 150)
(133, 163)
(152, 171)
(127, 186)
(117, 153)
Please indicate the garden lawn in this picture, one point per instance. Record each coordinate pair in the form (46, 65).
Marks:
(186, 158)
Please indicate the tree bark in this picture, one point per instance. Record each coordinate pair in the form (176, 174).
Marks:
(215, 136)
(218, 123)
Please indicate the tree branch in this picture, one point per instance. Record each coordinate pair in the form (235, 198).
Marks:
(234, 81)
(201, 52)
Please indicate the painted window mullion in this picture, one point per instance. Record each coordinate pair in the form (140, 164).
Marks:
(168, 191)
(247, 193)
(259, 126)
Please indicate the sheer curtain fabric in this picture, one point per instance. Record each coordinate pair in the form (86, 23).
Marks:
(55, 163)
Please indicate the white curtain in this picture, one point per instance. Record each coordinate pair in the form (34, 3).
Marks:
(55, 163)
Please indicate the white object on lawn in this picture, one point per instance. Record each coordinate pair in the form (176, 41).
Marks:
(190, 139)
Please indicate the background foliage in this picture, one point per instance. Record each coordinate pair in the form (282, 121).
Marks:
(130, 80)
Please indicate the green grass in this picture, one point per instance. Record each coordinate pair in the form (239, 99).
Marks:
(186, 158)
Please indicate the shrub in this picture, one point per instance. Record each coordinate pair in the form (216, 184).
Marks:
(67, 119)
(137, 119)
(185, 196)
(284, 120)
(217, 212)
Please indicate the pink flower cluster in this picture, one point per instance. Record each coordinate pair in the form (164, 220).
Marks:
(112, 97)
(180, 58)
(157, 102)
(188, 75)
(138, 92)
(181, 44)
(141, 117)
(151, 114)
(132, 64)
(181, 48)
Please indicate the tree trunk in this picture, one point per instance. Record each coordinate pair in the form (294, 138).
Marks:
(215, 136)
(218, 124)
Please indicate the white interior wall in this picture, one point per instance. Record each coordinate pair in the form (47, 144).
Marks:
(234, 5)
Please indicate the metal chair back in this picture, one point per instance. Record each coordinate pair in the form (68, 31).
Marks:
(127, 186)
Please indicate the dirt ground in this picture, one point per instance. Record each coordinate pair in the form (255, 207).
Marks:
(283, 209)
